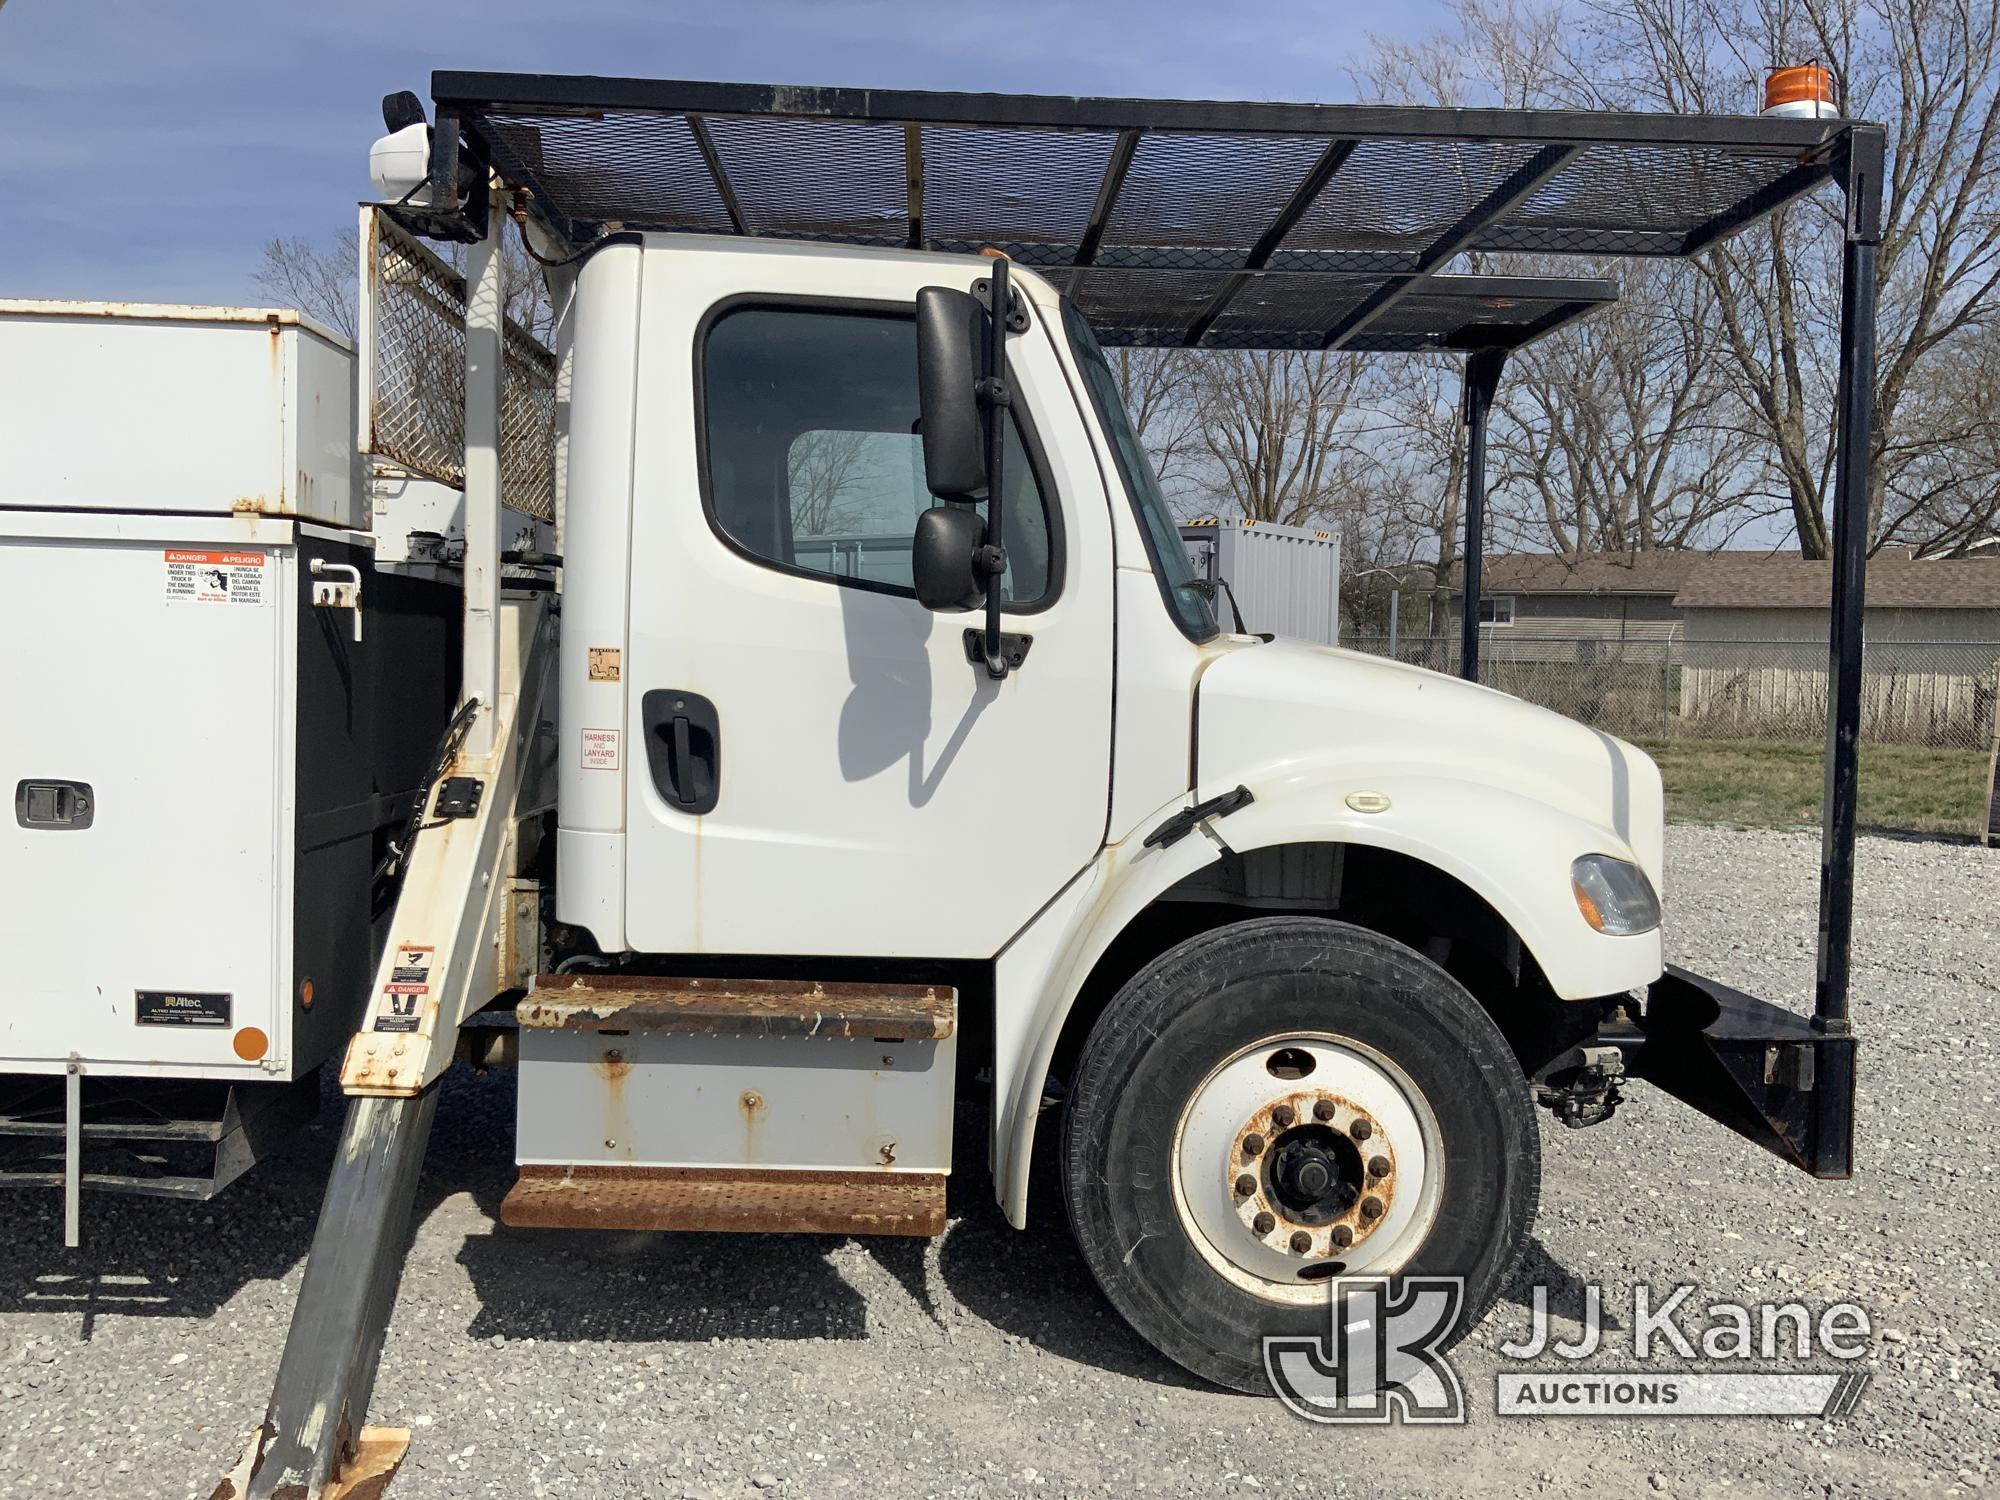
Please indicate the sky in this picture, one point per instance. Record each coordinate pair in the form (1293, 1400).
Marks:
(153, 147)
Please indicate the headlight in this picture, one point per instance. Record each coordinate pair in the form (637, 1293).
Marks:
(1615, 897)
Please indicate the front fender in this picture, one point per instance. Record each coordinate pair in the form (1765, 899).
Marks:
(1513, 851)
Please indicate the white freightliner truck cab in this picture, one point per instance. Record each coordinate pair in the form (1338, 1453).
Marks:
(1272, 910)
(865, 742)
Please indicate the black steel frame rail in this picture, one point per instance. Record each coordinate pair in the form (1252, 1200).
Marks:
(560, 94)
(466, 100)
(1302, 199)
(1574, 296)
(1519, 186)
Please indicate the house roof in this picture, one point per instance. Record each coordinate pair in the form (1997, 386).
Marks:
(1657, 572)
(1895, 581)
(1742, 579)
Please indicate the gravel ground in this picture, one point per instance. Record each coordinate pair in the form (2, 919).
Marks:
(549, 1364)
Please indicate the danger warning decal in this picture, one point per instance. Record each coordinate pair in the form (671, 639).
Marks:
(402, 997)
(195, 577)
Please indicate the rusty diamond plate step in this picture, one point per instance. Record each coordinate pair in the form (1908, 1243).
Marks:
(726, 1200)
(744, 1007)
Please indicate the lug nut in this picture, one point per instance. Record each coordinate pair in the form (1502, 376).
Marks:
(1378, 1166)
(1324, 1110)
(1253, 1144)
(1283, 1116)
(1301, 1241)
(1371, 1208)
(1342, 1236)
(1361, 1130)
(1264, 1223)
(1245, 1185)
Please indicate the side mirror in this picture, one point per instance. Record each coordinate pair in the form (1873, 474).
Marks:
(943, 558)
(952, 330)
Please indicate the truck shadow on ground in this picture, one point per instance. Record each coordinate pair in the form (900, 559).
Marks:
(168, 1257)
(155, 1257)
(1030, 1285)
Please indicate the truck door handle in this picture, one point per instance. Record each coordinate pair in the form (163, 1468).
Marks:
(683, 748)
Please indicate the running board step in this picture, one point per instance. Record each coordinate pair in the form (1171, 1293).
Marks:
(729, 1200)
(739, 1007)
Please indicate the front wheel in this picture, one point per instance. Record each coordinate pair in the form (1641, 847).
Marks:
(1284, 1101)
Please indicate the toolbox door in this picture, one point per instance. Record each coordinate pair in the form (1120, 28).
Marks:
(144, 766)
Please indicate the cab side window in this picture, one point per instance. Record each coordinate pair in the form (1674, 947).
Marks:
(812, 456)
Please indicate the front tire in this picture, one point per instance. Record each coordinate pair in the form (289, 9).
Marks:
(1281, 1101)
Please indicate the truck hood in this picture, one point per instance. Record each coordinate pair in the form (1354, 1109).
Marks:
(1288, 709)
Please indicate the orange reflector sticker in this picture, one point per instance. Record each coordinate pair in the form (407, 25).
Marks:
(250, 1044)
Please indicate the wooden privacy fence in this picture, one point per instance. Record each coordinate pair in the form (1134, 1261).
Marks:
(1935, 693)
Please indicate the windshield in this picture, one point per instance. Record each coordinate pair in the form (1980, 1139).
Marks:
(1163, 535)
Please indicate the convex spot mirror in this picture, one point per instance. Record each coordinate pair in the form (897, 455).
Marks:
(943, 558)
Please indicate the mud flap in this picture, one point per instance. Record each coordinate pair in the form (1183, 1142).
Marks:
(1768, 1074)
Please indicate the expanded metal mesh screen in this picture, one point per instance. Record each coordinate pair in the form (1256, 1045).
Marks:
(413, 314)
(528, 426)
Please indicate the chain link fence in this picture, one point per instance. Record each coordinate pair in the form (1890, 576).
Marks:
(413, 366)
(1940, 694)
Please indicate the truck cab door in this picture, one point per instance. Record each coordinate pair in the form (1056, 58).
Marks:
(816, 767)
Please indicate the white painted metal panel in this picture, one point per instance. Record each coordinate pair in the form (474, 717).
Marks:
(879, 794)
(205, 410)
(671, 1100)
(172, 709)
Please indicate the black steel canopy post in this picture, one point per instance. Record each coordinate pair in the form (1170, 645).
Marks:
(1482, 378)
(1861, 179)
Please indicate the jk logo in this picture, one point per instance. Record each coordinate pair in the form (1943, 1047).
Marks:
(1381, 1357)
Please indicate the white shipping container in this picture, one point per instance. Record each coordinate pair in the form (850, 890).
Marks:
(1286, 579)
(198, 410)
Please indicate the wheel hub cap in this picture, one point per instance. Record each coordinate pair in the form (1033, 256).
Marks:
(1307, 1157)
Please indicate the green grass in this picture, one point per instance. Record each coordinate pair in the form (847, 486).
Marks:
(1778, 784)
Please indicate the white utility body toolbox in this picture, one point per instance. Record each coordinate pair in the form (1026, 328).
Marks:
(219, 712)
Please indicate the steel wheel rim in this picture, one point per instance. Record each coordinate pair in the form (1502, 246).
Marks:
(1355, 1117)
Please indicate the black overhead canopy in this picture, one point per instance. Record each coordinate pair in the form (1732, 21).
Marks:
(1174, 222)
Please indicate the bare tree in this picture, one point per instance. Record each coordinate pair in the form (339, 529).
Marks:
(821, 469)
(1624, 433)
(1945, 496)
(1924, 67)
(317, 280)
(1275, 432)
(1419, 451)
(1161, 390)
(322, 280)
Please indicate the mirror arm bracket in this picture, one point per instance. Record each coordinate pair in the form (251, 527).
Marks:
(1000, 298)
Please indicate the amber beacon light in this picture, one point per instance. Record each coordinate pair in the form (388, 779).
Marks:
(1800, 93)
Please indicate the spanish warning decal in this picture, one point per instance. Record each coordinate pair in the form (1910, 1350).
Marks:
(396, 1008)
(195, 577)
